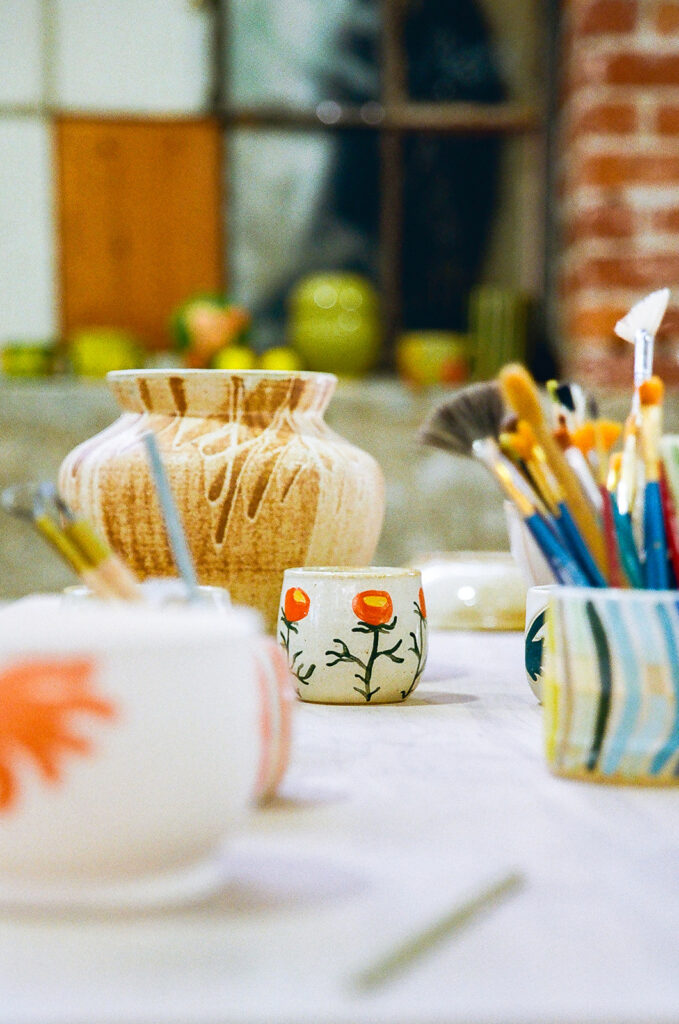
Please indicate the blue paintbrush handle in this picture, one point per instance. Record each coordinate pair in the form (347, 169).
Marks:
(562, 564)
(578, 548)
(627, 546)
(657, 573)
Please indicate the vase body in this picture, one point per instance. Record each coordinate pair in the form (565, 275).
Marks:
(261, 482)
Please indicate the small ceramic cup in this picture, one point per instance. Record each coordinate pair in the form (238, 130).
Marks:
(537, 599)
(611, 685)
(130, 745)
(354, 636)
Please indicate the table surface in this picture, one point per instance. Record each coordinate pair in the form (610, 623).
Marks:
(389, 817)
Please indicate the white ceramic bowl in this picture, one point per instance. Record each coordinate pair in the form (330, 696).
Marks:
(129, 747)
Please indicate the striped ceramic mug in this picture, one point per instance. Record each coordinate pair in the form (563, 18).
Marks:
(611, 685)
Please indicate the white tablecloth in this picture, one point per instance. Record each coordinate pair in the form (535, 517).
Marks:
(390, 816)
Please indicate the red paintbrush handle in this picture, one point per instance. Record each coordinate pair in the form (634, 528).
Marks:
(615, 574)
(670, 521)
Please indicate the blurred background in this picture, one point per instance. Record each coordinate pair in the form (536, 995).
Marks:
(406, 192)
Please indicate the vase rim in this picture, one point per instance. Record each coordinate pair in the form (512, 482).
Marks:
(251, 375)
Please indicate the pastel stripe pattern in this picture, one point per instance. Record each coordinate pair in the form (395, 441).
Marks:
(672, 743)
(631, 690)
(611, 686)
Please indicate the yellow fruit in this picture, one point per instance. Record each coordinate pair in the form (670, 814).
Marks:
(235, 357)
(94, 351)
(280, 358)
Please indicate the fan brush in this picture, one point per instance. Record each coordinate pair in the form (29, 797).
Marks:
(469, 424)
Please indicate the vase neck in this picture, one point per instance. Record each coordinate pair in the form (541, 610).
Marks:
(224, 394)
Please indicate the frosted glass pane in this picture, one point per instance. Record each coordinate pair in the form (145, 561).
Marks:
(300, 203)
(302, 51)
(132, 55)
(26, 232)
(20, 54)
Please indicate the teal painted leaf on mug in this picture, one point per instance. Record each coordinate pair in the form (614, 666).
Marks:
(534, 645)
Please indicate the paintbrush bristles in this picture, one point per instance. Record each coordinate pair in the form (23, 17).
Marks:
(473, 413)
(646, 315)
(652, 391)
(520, 392)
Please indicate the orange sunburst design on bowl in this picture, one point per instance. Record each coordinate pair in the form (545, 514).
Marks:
(37, 699)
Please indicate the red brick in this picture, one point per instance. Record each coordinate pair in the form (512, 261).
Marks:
(608, 16)
(667, 120)
(627, 271)
(613, 171)
(596, 322)
(665, 220)
(667, 19)
(605, 119)
(612, 221)
(644, 69)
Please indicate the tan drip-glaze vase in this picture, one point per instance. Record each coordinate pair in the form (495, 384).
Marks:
(261, 482)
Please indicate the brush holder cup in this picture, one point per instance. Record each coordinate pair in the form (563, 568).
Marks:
(611, 685)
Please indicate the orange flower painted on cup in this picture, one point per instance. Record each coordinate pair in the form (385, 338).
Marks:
(423, 607)
(37, 699)
(296, 605)
(373, 606)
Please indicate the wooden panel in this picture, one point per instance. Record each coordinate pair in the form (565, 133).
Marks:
(140, 220)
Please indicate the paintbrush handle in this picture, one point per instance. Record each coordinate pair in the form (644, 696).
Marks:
(671, 526)
(610, 536)
(562, 564)
(73, 556)
(99, 555)
(576, 500)
(578, 463)
(627, 546)
(577, 546)
(657, 574)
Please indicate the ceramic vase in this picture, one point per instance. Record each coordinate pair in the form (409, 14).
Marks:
(260, 480)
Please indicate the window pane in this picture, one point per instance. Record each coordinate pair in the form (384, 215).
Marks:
(300, 203)
(473, 51)
(302, 52)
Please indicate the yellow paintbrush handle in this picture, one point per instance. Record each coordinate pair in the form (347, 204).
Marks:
(72, 555)
(111, 568)
(577, 503)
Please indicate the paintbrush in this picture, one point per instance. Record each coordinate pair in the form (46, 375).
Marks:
(94, 549)
(655, 544)
(25, 501)
(416, 946)
(627, 546)
(521, 393)
(671, 525)
(606, 433)
(468, 424)
(639, 327)
(578, 463)
(554, 495)
(175, 531)
(570, 401)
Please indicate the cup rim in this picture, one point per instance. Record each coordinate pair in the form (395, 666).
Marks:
(355, 572)
(616, 593)
(181, 371)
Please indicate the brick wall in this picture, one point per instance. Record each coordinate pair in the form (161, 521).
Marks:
(618, 178)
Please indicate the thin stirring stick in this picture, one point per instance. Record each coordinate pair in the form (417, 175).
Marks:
(175, 532)
(415, 947)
